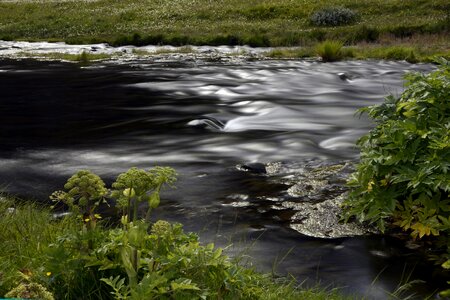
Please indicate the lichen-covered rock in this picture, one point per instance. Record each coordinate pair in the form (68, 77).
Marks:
(320, 192)
(322, 219)
(316, 192)
(307, 187)
(306, 195)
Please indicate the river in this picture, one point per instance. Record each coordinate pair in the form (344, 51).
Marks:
(205, 118)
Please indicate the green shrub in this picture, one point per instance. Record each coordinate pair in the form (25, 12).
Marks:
(330, 51)
(403, 178)
(333, 16)
(170, 263)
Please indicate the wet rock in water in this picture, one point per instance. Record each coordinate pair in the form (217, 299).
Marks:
(307, 187)
(318, 193)
(310, 199)
(343, 76)
(322, 219)
(257, 168)
(273, 167)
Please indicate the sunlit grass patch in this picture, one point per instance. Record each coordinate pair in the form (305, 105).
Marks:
(231, 22)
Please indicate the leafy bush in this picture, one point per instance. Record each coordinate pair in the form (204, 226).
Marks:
(170, 263)
(333, 16)
(330, 51)
(403, 178)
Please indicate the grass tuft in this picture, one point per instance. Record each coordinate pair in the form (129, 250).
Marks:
(330, 51)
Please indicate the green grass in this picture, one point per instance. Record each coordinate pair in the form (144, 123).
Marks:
(27, 231)
(330, 51)
(231, 22)
(41, 250)
(410, 54)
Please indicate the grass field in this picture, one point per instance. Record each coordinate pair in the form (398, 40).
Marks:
(219, 22)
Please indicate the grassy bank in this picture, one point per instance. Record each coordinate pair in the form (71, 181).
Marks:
(230, 22)
(43, 255)
(413, 50)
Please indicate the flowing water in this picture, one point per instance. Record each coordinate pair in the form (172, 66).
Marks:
(205, 118)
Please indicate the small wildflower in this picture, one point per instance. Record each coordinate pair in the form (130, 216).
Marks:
(48, 273)
(369, 185)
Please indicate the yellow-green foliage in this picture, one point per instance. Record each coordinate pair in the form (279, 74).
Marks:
(404, 173)
(405, 160)
(30, 290)
(403, 179)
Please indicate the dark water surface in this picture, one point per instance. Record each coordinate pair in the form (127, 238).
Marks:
(203, 119)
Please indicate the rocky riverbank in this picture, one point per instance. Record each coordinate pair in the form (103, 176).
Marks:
(63, 51)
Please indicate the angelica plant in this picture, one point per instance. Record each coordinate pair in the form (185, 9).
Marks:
(85, 191)
(137, 186)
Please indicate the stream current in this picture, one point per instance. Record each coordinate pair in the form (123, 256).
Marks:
(204, 118)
